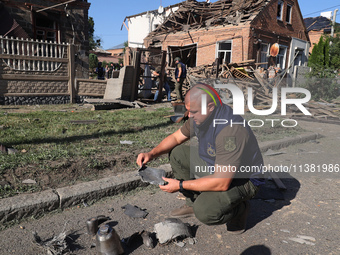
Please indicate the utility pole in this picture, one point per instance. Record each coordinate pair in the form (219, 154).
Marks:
(333, 22)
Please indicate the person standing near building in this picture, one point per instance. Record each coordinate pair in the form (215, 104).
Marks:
(100, 71)
(166, 86)
(107, 71)
(111, 69)
(180, 75)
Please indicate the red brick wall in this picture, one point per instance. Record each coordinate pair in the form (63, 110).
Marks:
(265, 26)
(268, 22)
(314, 37)
(206, 42)
(269, 29)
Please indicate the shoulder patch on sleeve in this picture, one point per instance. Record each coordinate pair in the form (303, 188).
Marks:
(230, 143)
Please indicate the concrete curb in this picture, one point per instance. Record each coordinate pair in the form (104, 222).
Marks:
(25, 205)
(285, 142)
(35, 204)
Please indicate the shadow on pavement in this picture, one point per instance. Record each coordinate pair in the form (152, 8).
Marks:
(72, 242)
(270, 199)
(257, 249)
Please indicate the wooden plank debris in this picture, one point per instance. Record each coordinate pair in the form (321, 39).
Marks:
(201, 14)
(109, 104)
(262, 89)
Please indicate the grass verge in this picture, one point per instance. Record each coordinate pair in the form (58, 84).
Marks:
(54, 150)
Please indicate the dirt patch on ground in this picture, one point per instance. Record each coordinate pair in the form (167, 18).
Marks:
(66, 172)
(60, 172)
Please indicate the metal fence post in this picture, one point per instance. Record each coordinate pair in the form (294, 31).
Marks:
(71, 72)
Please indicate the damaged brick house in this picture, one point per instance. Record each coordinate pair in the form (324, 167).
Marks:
(34, 46)
(233, 31)
(318, 26)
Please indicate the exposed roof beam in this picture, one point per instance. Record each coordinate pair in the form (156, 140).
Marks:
(44, 9)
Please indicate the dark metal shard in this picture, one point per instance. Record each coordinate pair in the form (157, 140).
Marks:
(134, 211)
(152, 175)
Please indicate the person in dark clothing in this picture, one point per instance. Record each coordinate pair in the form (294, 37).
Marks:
(166, 86)
(180, 75)
(111, 69)
(100, 71)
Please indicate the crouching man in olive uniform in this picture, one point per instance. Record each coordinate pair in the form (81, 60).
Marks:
(212, 175)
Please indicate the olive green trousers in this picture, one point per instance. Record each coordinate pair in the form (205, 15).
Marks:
(178, 89)
(210, 207)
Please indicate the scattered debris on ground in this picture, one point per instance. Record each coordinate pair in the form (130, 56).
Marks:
(170, 229)
(126, 142)
(108, 241)
(303, 239)
(56, 245)
(262, 81)
(134, 211)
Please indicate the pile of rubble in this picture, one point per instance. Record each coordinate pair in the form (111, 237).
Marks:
(194, 15)
(262, 81)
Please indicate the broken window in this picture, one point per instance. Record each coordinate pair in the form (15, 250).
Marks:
(298, 61)
(264, 54)
(279, 10)
(289, 13)
(46, 29)
(281, 57)
(224, 50)
(187, 54)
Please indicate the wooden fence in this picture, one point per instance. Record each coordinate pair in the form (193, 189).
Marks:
(32, 55)
(39, 68)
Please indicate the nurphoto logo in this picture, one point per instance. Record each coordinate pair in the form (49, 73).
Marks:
(239, 104)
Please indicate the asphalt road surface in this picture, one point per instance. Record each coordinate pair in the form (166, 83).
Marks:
(304, 219)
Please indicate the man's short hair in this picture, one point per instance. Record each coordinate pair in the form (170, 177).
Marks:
(177, 58)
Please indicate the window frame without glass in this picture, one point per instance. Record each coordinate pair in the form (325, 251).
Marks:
(289, 13)
(279, 10)
(218, 51)
(264, 55)
(282, 57)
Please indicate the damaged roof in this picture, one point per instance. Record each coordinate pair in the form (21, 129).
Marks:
(318, 23)
(9, 26)
(195, 15)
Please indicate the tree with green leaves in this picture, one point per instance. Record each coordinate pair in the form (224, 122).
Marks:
(325, 64)
(94, 41)
(320, 54)
(334, 52)
(93, 63)
(126, 44)
(326, 55)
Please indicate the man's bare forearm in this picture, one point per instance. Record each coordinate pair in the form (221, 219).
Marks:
(179, 72)
(168, 144)
(165, 146)
(219, 181)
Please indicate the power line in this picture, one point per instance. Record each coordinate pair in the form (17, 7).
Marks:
(322, 10)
